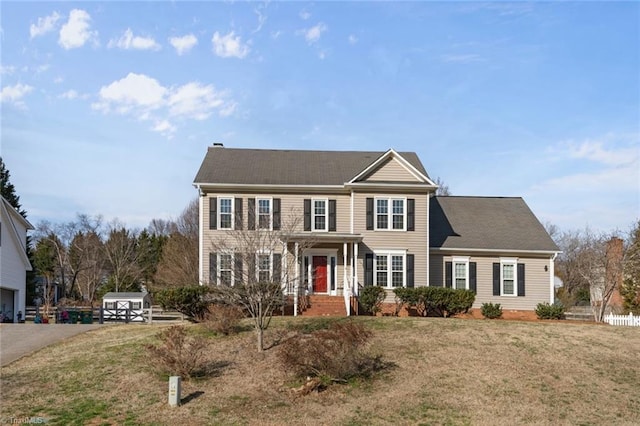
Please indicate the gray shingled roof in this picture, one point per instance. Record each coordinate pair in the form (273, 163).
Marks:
(124, 295)
(287, 167)
(491, 223)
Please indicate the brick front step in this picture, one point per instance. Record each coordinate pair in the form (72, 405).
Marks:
(321, 305)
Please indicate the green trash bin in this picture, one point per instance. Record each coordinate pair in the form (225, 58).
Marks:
(74, 317)
(86, 317)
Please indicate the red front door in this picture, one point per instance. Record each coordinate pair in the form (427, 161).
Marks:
(319, 274)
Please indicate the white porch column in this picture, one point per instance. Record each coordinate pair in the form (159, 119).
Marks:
(296, 282)
(346, 291)
(355, 269)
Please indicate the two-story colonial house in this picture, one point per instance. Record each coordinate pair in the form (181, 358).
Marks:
(368, 216)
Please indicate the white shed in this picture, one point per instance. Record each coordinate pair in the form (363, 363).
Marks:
(125, 306)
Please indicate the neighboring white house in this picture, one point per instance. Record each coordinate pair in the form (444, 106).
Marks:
(14, 262)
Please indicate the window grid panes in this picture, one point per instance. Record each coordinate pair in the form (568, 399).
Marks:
(397, 276)
(225, 265)
(460, 271)
(398, 214)
(382, 213)
(226, 213)
(382, 271)
(264, 267)
(319, 215)
(508, 278)
(264, 213)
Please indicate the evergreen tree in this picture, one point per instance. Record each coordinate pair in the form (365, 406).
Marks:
(8, 191)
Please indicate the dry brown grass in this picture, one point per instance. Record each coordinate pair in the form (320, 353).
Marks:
(448, 371)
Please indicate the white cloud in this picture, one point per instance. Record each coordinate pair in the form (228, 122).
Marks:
(313, 34)
(134, 92)
(183, 44)
(262, 18)
(69, 94)
(593, 150)
(7, 69)
(44, 25)
(194, 100)
(352, 39)
(145, 99)
(229, 46)
(14, 94)
(128, 42)
(77, 31)
(304, 15)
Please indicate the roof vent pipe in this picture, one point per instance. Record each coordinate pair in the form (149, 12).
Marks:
(218, 144)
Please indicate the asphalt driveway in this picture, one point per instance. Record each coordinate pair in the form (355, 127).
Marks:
(18, 340)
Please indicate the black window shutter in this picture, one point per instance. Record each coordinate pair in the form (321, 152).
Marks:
(213, 213)
(410, 274)
(332, 215)
(276, 214)
(368, 269)
(277, 267)
(496, 279)
(252, 268)
(369, 214)
(238, 208)
(251, 214)
(411, 214)
(472, 277)
(239, 277)
(448, 274)
(307, 214)
(520, 279)
(213, 267)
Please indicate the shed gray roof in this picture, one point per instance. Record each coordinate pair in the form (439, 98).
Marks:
(125, 295)
(489, 223)
(287, 167)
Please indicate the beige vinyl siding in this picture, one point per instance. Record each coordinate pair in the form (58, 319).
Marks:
(537, 281)
(391, 171)
(291, 214)
(414, 242)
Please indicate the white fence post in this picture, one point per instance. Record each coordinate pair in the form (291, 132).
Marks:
(624, 320)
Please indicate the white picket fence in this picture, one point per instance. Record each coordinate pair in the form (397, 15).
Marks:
(628, 320)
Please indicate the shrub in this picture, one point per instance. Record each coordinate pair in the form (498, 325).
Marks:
(336, 354)
(178, 354)
(491, 311)
(222, 319)
(371, 299)
(186, 300)
(438, 301)
(547, 311)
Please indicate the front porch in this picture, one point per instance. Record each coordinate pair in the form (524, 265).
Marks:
(325, 272)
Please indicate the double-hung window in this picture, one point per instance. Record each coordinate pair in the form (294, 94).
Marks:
(390, 269)
(319, 213)
(264, 213)
(264, 267)
(508, 277)
(391, 214)
(225, 269)
(461, 272)
(225, 213)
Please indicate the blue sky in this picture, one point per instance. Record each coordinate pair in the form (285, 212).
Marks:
(108, 108)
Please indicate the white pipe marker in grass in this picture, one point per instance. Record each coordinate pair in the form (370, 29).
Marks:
(174, 390)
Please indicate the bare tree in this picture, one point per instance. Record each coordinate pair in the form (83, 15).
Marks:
(178, 265)
(87, 259)
(122, 256)
(443, 188)
(252, 267)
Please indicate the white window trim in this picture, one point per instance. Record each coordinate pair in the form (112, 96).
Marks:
(514, 262)
(263, 253)
(390, 214)
(459, 259)
(326, 215)
(233, 269)
(389, 254)
(270, 199)
(233, 207)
